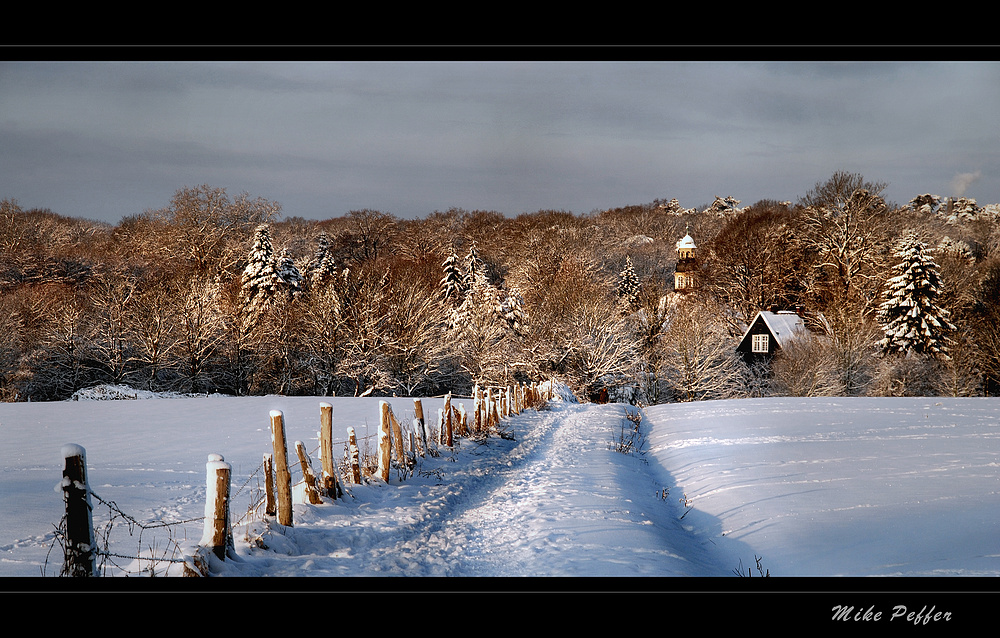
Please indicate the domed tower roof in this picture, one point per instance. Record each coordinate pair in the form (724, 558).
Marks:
(686, 242)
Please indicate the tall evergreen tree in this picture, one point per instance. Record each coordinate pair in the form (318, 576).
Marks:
(474, 269)
(261, 280)
(452, 283)
(321, 268)
(289, 274)
(628, 285)
(909, 316)
(513, 312)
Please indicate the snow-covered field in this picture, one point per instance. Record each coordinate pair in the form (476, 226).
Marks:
(811, 487)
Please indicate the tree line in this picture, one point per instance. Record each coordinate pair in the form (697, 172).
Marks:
(223, 294)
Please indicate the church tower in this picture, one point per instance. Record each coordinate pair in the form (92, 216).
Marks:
(684, 274)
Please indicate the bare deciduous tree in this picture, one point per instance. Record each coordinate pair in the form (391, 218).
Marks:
(204, 225)
(753, 261)
(200, 331)
(699, 359)
(806, 367)
(416, 347)
(845, 224)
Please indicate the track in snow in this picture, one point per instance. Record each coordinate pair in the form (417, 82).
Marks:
(555, 501)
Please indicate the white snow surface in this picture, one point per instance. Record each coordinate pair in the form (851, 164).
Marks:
(811, 487)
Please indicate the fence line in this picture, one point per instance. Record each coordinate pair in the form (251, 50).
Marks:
(82, 557)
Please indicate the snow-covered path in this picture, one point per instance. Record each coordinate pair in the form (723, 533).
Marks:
(839, 487)
(559, 509)
(555, 500)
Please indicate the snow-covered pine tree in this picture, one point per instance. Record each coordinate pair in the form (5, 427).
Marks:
(909, 316)
(480, 331)
(321, 268)
(474, 268)
(476, 303)
(512, 309)
(628, 285)
(289, 274)
(261, 280)
(452, 283)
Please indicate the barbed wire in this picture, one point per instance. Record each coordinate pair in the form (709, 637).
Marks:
(256, 499)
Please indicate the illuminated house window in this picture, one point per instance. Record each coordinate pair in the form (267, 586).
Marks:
(759, 343)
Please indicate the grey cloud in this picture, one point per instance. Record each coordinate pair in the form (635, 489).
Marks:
(411, 137)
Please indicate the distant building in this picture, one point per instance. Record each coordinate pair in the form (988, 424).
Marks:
(684, 274)
(768, 333)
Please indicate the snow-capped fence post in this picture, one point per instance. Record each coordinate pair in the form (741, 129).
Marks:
(355, 456)
(331, 486)
(384, 442)
(283, 477)
(218, 534)
(270, 509)
(80, 545)
(308, 475)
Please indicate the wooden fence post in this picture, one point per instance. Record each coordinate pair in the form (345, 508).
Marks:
(397, 436)
(463, 422)
(308, 475)
(355, 454)
(331, 486)
(493, 422)
(420, 425)
(449, 436)
(218, 534)
(477, 411)
(80, 544)
(419, 442)
(384, 442)
(420, 432)
(488, 406)
(270, 509)
(283, 477)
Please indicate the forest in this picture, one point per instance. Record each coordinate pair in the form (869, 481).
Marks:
(222, 293)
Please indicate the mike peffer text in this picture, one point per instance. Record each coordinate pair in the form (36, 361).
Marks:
(899, 613)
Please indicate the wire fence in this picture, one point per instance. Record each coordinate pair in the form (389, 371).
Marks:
(160, 544)
(156, 551)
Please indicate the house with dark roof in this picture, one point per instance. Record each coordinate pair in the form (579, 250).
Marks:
(768, 333)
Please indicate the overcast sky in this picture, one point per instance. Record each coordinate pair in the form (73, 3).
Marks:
(103, 140)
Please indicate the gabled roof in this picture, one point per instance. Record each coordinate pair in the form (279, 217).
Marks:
(785, 326)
